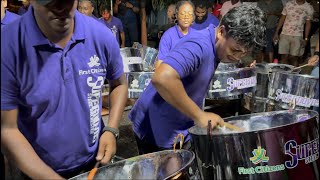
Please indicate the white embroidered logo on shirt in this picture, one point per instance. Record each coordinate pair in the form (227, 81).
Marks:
(94, 61)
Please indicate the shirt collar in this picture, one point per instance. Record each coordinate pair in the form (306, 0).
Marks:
(180, 33)
(37, 38)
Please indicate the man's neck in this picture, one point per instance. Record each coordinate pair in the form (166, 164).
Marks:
(58, 38)
(109, 20)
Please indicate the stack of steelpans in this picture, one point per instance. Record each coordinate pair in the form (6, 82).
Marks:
(159, 165)
(284, 88)
(264, 71)
(229, 82)
(271, 145)
(137, 83)
(139, 64)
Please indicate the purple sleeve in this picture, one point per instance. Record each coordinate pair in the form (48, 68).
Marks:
(115, 65)
(186, 57)
(9, 83)
(164, 46)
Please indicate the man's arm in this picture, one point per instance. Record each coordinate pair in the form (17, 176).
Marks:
(169, 85)
(280, 24)
(118, 97)
(123, 40)
(307, 29)
(17, 149)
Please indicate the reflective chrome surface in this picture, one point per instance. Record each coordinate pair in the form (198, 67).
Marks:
(138, 59)
(159, 165)
(229, 82)
(274, 145)
(137, 83)
(284, 87)
(263, 76)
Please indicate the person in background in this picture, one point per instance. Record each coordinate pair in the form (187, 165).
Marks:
(54, 61)
(172, 103)
(227, 5)
(314, 61)
(86, 7)
(24, 8)
(171, 15)
(113, 23)
(185, 17)
(273, 10)
(217, 8)
(126, 11)
(296, 20)
(7, 17)
(203, 18)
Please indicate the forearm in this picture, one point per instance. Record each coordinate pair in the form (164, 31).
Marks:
(307, 29)
(122, 39)
(173, 92)
(135, 9)
(118, 99)
(280, 23)
(18, 149)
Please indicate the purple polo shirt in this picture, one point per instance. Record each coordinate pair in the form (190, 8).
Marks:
(9, 17)
(115, 26)
(169, 39)
(194, 59)
(58, 91)
(22, 10)
(211, 19)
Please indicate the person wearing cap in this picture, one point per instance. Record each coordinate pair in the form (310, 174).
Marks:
(203, 18)
(54, 61)
(86, 7)
(172, 102)
(24, 8)
(7, 17)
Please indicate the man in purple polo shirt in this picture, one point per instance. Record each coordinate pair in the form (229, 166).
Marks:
(203, 18)
(53, 64)
(172, 103)
(6, 16)
(185, 16)
(113, 23)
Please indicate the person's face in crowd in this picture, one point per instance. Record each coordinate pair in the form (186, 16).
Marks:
(170, 13)
(56, 15)
(106, 15)
(228, 50)
(185, 16)
(4, 4)
(85, 7)
(25, 3)
(201, 14)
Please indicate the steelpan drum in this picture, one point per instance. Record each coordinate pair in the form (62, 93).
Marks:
(286, 87)
(259, 102)
(137, 83)
(138, 60)
(273, 145)
(159, 165)
(229, 82)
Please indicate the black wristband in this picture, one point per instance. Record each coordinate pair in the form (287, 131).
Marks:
(316, 53)
(114, 131)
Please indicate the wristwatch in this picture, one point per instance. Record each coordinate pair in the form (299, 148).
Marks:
(114, 131)
(306, 39)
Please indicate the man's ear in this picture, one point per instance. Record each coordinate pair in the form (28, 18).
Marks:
(220, 31)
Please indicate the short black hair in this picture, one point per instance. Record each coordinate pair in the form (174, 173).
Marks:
(247, 25)
(201, 4)
(104, 7)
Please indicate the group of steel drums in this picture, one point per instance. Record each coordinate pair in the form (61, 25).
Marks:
(279, 142)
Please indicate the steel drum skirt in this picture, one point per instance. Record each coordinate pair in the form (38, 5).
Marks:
(229, 82)
(158, 165)
(285, 87)
(274, 145)
(137, 83)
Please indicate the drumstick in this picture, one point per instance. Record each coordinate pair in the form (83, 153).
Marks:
(232, 127)
(93, 171)
(300, 67)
